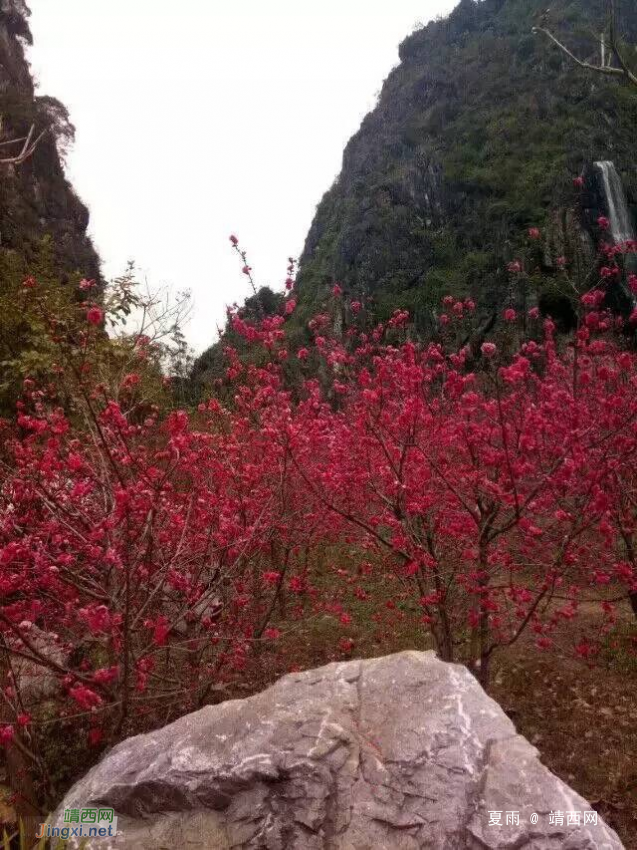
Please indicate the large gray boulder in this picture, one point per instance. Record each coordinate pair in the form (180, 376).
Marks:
(393, 753)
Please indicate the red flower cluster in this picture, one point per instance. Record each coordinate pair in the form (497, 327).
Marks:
(144, 556)
(95, 316)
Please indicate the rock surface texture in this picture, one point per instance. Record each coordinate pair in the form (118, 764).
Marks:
(395, 753)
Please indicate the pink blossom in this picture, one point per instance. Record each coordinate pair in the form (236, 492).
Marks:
(97, 618)
(161, 629)
(131, 380)
(584, 649)
(271, 577)
(95, 316)
(95, 737)
(593, 298)
(106, 675)
(85, 697)
(7, 734)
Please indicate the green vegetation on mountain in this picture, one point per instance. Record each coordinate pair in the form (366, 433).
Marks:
(43, 224)
(477, 136)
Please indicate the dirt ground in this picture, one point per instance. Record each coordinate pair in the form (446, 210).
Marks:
(581, 716)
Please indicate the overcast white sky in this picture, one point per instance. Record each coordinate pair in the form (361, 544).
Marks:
(200, 118)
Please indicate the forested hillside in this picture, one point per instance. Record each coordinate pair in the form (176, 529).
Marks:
(478, 135)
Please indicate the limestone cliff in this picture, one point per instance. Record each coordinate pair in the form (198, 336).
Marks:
(477, 136)
(36, 200)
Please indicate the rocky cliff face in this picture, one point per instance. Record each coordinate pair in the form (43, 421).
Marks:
(36, 200)
(395, 753)
(477, 135)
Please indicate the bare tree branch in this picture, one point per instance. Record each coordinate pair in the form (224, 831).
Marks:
(28, 147)
(623, 71)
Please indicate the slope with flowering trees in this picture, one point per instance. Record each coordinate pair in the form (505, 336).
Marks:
(489, 494)
(140, 557)
(148, 555)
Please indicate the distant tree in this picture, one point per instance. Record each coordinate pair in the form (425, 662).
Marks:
(14, 15)
(56, 116)
(608, 51)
